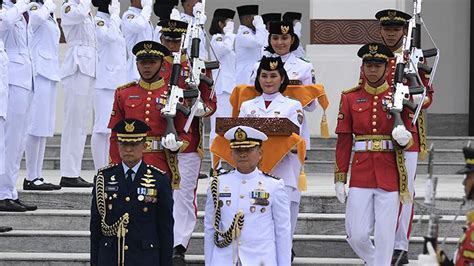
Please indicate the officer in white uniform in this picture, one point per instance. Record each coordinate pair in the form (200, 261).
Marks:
(136, 27)
(251, 38)
(44, 42)
(14, 33)
(191, 8)
(251, 202)
(295, 18)
(300, 72)
(222, 42)
(112, 58)
(274, 104)
(78, 76)
(3, 94)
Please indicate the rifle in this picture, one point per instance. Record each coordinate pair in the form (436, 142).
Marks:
(176, 95)
(199, 66)
(430, 200)
(408, 65)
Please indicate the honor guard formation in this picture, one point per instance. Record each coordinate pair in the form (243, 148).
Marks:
(149, 88)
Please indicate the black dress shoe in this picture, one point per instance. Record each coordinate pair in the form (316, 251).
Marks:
(202, 176)
(178, 256)
(9, 205)
(74, 182)
(293, 254)
(39, 184)
(27, 207)
(402, 254)
(5, 229)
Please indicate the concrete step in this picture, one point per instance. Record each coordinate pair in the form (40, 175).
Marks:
(329, 246)
(80, 199)
(324, 224)
(55, 151)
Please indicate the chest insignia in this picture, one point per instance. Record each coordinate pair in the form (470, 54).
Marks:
(134, 96)
(362, 100)
(111, 188)
(225, 195)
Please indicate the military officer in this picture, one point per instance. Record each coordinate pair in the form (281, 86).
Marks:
(393, 28)
(131, 212)
(78, 74)
(191, 10)
(144, 100)
(376, 178)
(295, 18)
(3, 94)
(250, 39)
(112, 57)
(269, 17)
(13, 32)
(190, 159)
(44, 32)
(136, 27)
(247, 220)
(222, 42)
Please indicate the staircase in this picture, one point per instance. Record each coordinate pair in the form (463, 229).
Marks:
(58, 233)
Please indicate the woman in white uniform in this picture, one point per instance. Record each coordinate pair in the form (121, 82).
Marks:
(283, 42)
(271, 83)
(222, 43)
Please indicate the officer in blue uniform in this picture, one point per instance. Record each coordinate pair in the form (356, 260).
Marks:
(132, 206)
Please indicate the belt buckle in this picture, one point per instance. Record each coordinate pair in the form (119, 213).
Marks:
(376, 145)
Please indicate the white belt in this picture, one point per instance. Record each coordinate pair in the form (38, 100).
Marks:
(373, 145)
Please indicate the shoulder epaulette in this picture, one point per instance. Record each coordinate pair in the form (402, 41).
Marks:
(272, 176)
(128, 85)
(304, 59)
(156, 169)
(110, 166)
(351, 90)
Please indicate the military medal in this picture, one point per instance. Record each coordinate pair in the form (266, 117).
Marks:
(220, 203)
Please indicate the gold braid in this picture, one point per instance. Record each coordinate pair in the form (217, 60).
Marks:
(119, 228)
(237, 223)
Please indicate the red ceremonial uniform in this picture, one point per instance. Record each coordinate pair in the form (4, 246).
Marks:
(361, 114)
(196, 130)
(142, 101)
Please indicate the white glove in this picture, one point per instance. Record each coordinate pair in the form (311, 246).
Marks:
(200, 109)
(258, 22)
(428, 259)
(197, 8)
(169, 142)
(401, 135)
(114, 8)
(297, 29)
(146, 3)
(229, 27)
(417, 98)
(50, 5)
(175, 14)
(340, 188)
(146, 12)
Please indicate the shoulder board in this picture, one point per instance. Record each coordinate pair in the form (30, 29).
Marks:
(304, 59)
(272, 176)
(110, 166)
(128, 85)
(156, 169)
(351, 90)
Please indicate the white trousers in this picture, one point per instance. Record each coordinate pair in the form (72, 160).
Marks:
(19, 100)
(43, 108)
(78, 90)
(405, 216)
(2, 145)
(185, 205)
(224, 109)
(370, 210)
(100, 141)
(34, 152)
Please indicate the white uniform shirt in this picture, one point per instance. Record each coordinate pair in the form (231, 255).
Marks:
(14, 33)
(248, 50)
(203, 54)
(111, 51)
(79, 31)
(265, 237)
(45, 34)
(3, 79)
(135, 29)
(223, 45)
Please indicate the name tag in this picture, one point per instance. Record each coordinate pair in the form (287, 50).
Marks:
(225, 195)
(112, 188)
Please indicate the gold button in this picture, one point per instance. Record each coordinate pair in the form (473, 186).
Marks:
(374, 116)
(126, 247)
(151, 245)
(133, 105)
(145, 209)
(376, 97)
(374, 110)
(360, 109)
(374, 130)
(147, 112)
(127, 198)
(242, 196)
(126, 230)
(244, 182)
(147, 105)
(148, 99)
(147, 119)
(149, 93)
(374, 103)
(374, 123)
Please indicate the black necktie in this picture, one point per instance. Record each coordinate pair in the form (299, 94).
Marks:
(128, 178)
(27, 17)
